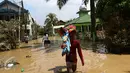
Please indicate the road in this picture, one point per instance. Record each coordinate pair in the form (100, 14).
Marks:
(50, 60)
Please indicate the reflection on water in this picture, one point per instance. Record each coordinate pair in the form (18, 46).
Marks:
(50, 60)
(85, 44)
(20, 56)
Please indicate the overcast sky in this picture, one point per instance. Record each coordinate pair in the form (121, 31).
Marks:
(40, 8)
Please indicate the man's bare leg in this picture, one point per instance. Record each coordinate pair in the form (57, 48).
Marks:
(74, 68)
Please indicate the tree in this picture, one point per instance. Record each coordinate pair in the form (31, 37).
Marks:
(115, 17)
(34, 30)
(9, 33)
(61, 3)
(50, 21)
(41, 31)
(93, 20)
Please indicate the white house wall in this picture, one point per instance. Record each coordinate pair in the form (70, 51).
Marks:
(29, 26)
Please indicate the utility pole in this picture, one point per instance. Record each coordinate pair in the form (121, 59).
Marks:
(23, 18)
(19, 24)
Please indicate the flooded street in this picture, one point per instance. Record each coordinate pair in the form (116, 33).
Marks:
(50, 60)
(27, 27)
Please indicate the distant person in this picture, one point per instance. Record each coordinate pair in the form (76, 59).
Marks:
(71, 59)
(26, 38)
(45, 40)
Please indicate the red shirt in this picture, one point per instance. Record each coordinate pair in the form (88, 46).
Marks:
(72, 57)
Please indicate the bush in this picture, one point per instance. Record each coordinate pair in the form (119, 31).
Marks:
(115, 17)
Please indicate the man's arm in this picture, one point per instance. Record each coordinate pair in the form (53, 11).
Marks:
(80, 53)
(63, 45)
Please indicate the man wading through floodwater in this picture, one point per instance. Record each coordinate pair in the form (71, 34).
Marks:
(71, 58)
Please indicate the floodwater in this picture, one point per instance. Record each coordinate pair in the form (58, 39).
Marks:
(50, 60)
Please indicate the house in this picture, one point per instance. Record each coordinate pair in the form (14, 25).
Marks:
(10, 10)
(83, 22)
(29, 25)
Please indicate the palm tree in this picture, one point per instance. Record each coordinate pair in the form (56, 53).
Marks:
(50, 21)
(61, 3)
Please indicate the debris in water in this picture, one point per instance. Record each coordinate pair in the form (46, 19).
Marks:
(28, 56)
(22, 70)
(10, 65)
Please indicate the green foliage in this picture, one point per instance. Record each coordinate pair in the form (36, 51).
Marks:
(35, 28)
(50, 21)
(41, 31)
(61, 3)
(8, 33)
(115, 17)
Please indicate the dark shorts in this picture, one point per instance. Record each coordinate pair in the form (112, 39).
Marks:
(47, 42)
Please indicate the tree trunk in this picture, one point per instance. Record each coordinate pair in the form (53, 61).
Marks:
(93, 20)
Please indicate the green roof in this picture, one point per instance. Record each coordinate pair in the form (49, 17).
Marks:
(84, 19)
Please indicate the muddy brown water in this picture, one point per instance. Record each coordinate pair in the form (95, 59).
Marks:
(50, 60)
